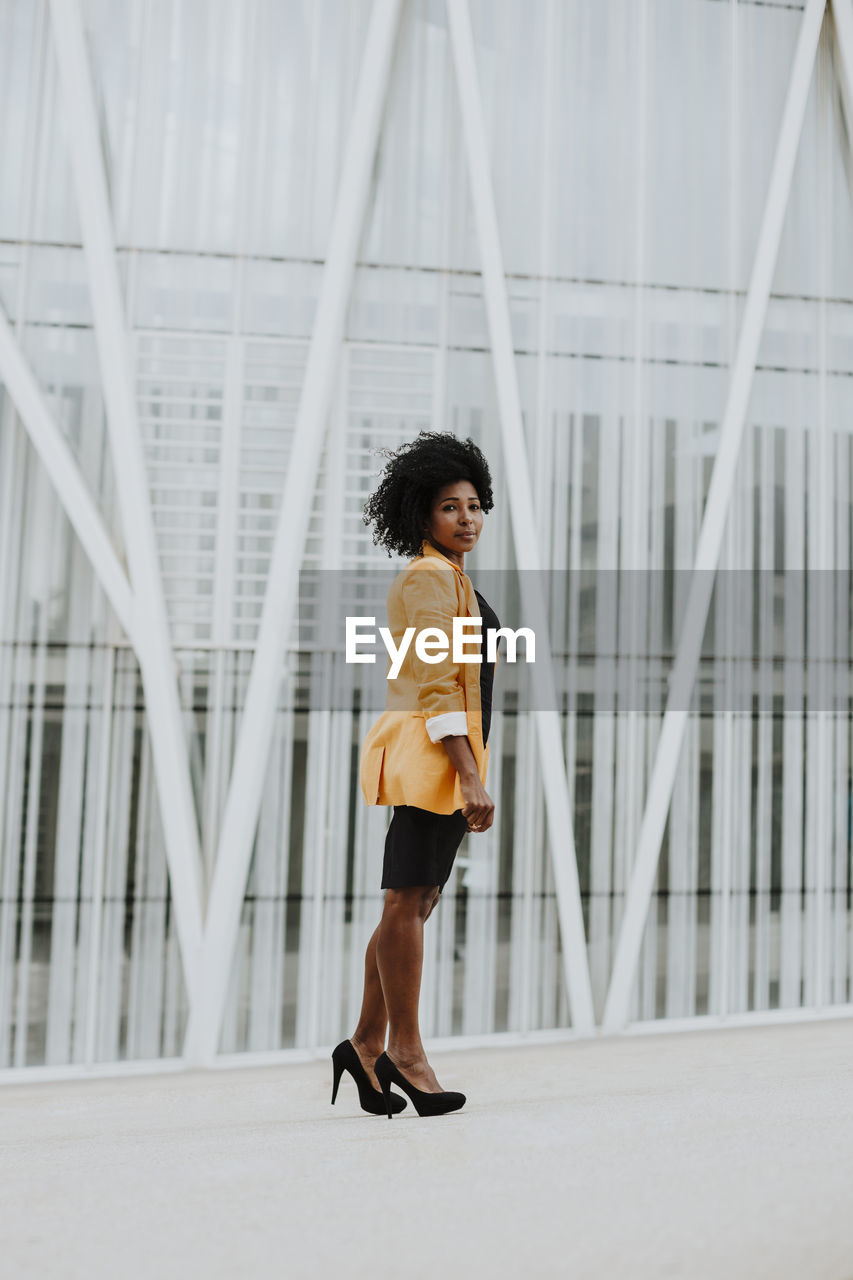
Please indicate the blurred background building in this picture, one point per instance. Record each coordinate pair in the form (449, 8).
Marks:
(630, 146)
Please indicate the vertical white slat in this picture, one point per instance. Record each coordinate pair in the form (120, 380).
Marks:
(655, 945)
(216, 771)
(635, 494)
(534, 888)
(152, 870)
(12, 833)
(820, 763)
(560, 502)
(311, 960)
(683, 817)
(110, 962)
(692, 802)
(604, 853)
(573, 604)
(12, 722)
(69, 829)
(174, 996)
(742, 635)
(235, 676)
(737, 798)
(335, 930)
(764, 774)
(722, 813)
(720, 852)
(93, 879)
(541, 428)
(681, 905)
(481, 921)
(566, 557)
(654, 939)
(813, 756)
(234, 1029)
(13, 443)
(371, 824)
(14, 447)
(732, 792)
(135, 966)
(627, 791)
(232, 1016)
(14, 817)
(551, 986)
(284, 787)
(521, 918)
(47, 520)
(814, 853)
(792, 763)
(266, 935)
(540, 433)
(843, 520)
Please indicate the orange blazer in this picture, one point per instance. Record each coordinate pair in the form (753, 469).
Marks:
(402, 759)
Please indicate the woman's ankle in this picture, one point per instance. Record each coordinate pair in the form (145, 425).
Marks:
(369, 1044)
(407, 1055)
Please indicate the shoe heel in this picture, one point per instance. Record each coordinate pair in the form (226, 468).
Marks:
(386, 1093)
(338, 1068)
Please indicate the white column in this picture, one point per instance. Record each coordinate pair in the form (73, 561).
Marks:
(713, 525)
(551, 755)
(149, 622)
(240, 817)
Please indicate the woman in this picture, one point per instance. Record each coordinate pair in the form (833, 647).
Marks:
(426, 755)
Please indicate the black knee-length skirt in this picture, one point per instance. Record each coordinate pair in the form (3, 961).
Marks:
(420, 847)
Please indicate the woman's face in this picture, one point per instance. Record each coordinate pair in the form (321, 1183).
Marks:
(455, 520)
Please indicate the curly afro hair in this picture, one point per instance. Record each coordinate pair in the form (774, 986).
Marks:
(400, 506)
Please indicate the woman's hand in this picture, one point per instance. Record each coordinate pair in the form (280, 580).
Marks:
(478, 806)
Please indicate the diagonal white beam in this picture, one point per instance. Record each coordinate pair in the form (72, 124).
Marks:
(61, 466)
(149, 622)
(842, 14)
(242, 805)
(522, 515)
(713, 526)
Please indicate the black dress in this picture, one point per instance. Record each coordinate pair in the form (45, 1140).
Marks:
(421, 846)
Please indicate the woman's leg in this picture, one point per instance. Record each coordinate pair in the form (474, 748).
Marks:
(399, 958)
(368, 1039)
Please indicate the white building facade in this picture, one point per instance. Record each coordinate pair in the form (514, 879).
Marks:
(244, 244)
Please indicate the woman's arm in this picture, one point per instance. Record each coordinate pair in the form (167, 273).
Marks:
(429, 598)
(478, 808)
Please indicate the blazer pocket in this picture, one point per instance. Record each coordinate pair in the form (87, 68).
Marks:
(371, 772)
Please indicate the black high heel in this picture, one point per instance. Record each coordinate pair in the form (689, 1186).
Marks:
(426, 1104)
(345, 1058)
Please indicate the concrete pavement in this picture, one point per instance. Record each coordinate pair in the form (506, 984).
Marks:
(718, 1154)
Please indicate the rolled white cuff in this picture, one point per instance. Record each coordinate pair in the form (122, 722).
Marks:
(451, 723)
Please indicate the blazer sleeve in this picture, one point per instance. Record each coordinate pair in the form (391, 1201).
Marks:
(429, 600)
